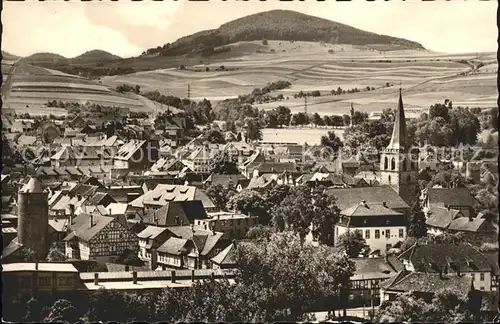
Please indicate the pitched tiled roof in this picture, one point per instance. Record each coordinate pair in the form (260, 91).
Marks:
(271, 167)
(225, 179)
(442, 217)
(171, 214)
(369, 209)
(127, 150)
(466, 224)
(174, 245)
(226, 256)
(204, 240)
(428, 283)
(165, 193)
(81, 225)
(372, 268)
(259, 182)
(151, 232)
(348, 197)
(451, 196)
(432, 257)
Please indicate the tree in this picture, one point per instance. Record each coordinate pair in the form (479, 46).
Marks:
(317, 120)
(62, 311)
(271, 119)
(264, 42)
(250, 202)
(132, 259)
(358, 117)
(254, 133)
(55, 255)
(439, 110)
(284, 115)
(288, 277)
(353, 243)
(436, 131)
(215, 136)
(417, 227)
(223, 163)
(220, 194)
(306, 208)
(260, 232)
(446, 306)
(332, 141)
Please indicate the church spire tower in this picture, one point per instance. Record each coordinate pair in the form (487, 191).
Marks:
(397, 168)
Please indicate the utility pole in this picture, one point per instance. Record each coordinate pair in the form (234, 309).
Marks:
(189, 92)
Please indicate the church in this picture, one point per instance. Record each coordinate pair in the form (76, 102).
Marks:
(380, 213)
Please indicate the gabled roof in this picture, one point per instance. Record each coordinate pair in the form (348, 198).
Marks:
(273, 167)
(226, 256)
(442, 217)
(171, 214)
(467, 224)
(126, 151)
(224, 179)
(151, 232)
(427, 283)
(451, 197)
(98, 197)
(174, 245)
(431, 257)
(260, 182)
(164, 193)
(369, 209)
(81, 227)
(204, 240)
(348, 197)
(372, 268)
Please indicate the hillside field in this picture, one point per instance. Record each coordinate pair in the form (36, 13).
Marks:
(29, 88)
(425, 77)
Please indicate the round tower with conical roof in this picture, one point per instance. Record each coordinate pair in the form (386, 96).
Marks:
(33, 219)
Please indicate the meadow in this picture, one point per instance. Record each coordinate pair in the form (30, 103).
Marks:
(426, 77)
(311, 136)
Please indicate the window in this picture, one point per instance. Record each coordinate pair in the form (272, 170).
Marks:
(377, 234)
(386, 163)
(481, 288)
(481, 276)
(401, 232)
(409, 178)
(393, 164)
(388, 234)
(404, 165)
(389, 178)
(367, 234)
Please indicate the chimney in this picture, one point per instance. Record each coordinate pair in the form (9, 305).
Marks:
(176, 220)
(213, 275)
(96, 279)
(384, 204)
(192, 275)
(213, 231)
(471, 218)
(173, 276)
(363, 203)
(192, 228)
(134, 277)
(36, 265)
(91, 220)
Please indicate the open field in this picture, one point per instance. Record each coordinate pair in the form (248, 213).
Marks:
(311, 136)
(31, 87)
(426, 77)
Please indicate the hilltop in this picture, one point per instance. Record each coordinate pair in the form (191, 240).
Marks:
(6, 56)
(283, 25)
(51, 59)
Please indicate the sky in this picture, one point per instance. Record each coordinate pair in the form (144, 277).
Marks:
(126, 28)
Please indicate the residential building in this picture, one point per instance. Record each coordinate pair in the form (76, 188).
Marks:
(162, 194)
(441, 220)
(233, 225)
(99, 238)
(150, 239)
(381, 226)
(455, 198)
(137, 155)
(453, 260)
(424, 285)
(200, 160)
(226, 259)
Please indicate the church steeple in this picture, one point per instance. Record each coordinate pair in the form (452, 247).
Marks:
(399, 140)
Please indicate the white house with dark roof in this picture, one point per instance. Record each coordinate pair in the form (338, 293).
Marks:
(381, 226)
